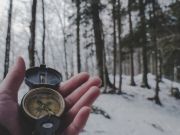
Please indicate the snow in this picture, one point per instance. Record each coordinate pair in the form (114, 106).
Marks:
(133, 114)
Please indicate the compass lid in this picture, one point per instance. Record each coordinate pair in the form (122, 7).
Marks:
(42, 77)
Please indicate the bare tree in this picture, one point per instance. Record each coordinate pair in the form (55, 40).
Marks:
(154, 40)
(114, 36)
(8, 39)
(31, 47)
(144, 43)
(78, 3)
(120, 47)
(44, 33)
(98, 38)
(99, 43)
(64, 36)
(131, 48)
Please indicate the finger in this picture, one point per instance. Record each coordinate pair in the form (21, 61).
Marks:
(86, 100)
(14, 78)
(67, 87)
(79, 122)
(76, 95)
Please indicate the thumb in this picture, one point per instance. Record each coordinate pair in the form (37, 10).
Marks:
(14, 78)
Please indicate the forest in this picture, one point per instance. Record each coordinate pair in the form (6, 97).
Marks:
(130, 44)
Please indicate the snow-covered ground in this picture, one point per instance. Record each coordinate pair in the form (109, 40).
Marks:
(133, 114)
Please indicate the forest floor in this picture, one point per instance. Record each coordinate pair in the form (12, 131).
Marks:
(133, 114)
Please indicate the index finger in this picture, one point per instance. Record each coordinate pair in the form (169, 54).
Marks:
(70, 85)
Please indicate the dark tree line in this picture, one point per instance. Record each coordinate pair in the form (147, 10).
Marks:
(145, 35)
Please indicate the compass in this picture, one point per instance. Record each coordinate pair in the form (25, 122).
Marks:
(42, 107)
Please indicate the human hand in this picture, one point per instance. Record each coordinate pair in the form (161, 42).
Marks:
(79, 93)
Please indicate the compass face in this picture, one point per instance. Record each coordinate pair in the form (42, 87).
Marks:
(43, 101)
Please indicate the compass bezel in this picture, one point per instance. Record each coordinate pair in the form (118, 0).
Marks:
(39, 91)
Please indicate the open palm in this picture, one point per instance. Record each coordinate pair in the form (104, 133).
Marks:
(79, 93)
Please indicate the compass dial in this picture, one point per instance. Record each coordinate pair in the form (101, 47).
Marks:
(43, 101)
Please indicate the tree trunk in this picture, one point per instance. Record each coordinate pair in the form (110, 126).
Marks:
(44, 34)
(153, 63)
(114, 36)
(156, 97)
(160, 66)
(120, 48)
(65, 55)
(8, 39)
(144, 43)
(64, 42)
(31, 46)
(98, 38)
(131, 45)
(78, 36)
(139, 62)
(99, 43)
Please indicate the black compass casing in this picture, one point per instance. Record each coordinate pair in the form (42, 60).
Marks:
(40, 118)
